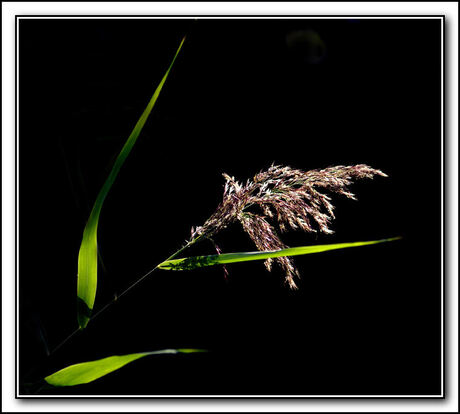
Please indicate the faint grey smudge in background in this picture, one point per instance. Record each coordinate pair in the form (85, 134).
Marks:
(306, 45)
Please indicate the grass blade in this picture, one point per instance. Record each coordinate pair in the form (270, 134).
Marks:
(86, 372)
(189, 263)
(87, 257)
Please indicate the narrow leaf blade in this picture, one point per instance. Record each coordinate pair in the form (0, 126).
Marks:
(86, 372)
(189, 263)
(87, 256)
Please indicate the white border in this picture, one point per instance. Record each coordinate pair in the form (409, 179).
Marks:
(254, 395)
(8, 12)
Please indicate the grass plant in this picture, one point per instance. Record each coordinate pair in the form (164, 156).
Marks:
(274, 201)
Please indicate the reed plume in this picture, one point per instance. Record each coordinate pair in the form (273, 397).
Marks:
(290, 197)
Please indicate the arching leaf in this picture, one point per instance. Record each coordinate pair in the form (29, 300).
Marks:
(86, 372)
(87, 257)
(189, 263)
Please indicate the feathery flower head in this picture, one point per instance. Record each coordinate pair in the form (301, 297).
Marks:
(288, 196)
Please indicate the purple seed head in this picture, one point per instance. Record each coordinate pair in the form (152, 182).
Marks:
(292, 198)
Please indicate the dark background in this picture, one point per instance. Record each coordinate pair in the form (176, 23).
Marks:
(364, 321)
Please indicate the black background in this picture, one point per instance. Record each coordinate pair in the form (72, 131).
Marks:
(364, 321)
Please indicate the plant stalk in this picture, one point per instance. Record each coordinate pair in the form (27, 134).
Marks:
(117, 297)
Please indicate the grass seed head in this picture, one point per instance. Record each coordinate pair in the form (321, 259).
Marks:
(291, 198)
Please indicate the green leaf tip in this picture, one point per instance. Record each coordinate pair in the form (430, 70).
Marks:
(190, 263)
(87, 255)
(189, 351)
(86, 372)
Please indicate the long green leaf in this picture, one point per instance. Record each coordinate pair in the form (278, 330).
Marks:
(189, 263)
(87, 257)
(89, 371)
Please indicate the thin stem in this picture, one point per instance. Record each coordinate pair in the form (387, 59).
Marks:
(117, 297)
(191, 242)
(122, 293)
(63, 342)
